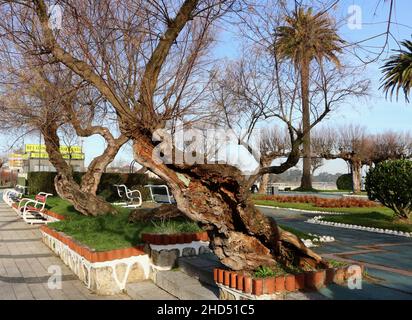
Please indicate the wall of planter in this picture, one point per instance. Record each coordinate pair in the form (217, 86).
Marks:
(237, 286)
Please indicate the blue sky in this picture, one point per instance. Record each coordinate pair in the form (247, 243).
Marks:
(377, 113)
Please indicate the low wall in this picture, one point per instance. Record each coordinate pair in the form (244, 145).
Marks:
(108, 272)
(105, 277)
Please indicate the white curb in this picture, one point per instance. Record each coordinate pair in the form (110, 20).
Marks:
(318, 220)
(302, 210)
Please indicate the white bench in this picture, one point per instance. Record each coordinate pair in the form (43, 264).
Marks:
(160, 193)
(31, 210)
(14, 195)
(131, 198)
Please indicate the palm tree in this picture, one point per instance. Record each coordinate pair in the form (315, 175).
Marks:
(398, 72)
(307, 36)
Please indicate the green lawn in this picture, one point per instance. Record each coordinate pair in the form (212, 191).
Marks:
(114, 232)
(298, 233)
(372, 219)
(110, 232)
(377, 217)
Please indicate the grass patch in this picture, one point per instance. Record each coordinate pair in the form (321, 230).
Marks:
(265, 272)
(109, 232)
(376, 217)
(337, 264)
(298, 233)
(382, 220)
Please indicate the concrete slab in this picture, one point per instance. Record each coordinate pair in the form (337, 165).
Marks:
(147, 290)
(185, 287)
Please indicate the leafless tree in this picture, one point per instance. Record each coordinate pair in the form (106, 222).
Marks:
(149, 61)
(43, 98)
(353, 144)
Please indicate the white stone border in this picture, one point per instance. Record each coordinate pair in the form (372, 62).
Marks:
(317, 239)
(318, 220)
(302, 210)
(82, 267)
(240, 295)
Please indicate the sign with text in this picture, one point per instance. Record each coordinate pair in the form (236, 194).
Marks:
(38, 151)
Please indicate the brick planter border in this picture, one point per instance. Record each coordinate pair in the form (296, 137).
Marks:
(308, 281)
(89, 254)
(168, 239)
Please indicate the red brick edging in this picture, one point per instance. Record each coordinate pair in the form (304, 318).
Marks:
(166, 239)
(93, 256)
(310, 280)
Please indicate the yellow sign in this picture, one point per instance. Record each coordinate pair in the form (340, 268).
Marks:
(35, 148)
(41, 148)
(37, 151)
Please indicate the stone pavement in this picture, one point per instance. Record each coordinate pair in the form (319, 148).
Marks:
(24, 264)
(25, 260)
(387, 258)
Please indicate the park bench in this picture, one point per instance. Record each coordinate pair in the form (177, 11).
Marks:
(32, 210)
(160, 193)
(14, 195)
(131, 198)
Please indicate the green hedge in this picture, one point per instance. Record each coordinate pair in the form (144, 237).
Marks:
(345, 182)
(44, 182)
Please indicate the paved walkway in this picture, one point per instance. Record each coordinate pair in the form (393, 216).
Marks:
(24, 264)
(25, 260)
(388, 258)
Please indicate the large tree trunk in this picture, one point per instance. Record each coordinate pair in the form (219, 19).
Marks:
(241, 236)
(356, 175)
(306, 182)
(264, 182)
(86, 203)
(91, 179)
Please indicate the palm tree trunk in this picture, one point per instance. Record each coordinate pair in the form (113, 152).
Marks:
(306, 182)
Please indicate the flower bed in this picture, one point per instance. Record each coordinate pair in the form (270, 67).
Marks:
(321, 202)
(234, 285)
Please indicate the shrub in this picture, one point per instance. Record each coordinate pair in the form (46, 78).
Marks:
(44, 182)
(344, 182)
(41, 182)
(390, 182)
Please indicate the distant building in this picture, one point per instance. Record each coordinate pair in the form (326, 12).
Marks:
(36, 159)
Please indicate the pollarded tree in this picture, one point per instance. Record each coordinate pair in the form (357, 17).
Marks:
(350, 143)
(353, 144)
(307, 36)
(398, 72)
(273, 145)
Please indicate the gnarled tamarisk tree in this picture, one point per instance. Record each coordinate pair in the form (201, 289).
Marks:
(149, 62)
(47, 99)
